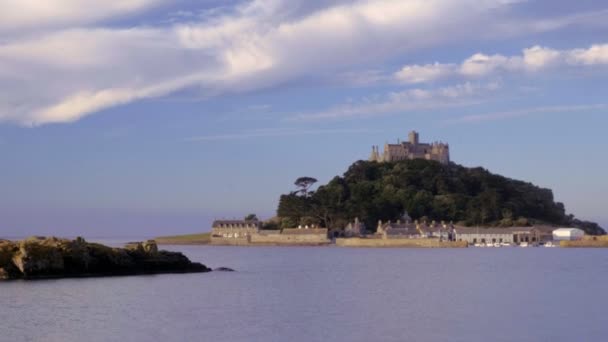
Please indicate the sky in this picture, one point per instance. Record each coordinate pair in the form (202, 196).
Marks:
(151, 117)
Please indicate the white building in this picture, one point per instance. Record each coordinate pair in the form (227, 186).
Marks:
(568, 234)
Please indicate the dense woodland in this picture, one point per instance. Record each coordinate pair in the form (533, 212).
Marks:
(426, 190)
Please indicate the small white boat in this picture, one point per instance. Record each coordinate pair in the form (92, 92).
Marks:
(505, 244)
(496, 244)
(524, 244)
(478, 245)
(550, 244)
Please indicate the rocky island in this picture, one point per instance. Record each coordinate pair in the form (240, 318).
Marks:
(51, 257)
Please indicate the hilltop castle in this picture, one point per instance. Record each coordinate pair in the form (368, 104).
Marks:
(412, 149)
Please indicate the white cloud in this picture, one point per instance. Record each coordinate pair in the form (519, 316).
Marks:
(532, 59)
(18, 15)
(596, 54)
(84, 103)
(73, 71)
(538, 57)
(424, 73)
(65, 75)
(481, 65)
(406, 101)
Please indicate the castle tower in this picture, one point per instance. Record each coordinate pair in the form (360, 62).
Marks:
(373, 156)
(414, 138)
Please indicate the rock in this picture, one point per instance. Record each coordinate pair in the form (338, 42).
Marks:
(52, 257)
(150, 247)
(224, 269)
(137, 247)
(38, 257)
(7, 249)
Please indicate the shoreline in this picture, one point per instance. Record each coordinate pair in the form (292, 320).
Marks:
(204, 239)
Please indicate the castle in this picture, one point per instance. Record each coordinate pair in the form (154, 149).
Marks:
(412, 149)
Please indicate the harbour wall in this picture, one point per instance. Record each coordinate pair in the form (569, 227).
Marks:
(587, 242)
(221, 241)
(399, 243)
(288, 237)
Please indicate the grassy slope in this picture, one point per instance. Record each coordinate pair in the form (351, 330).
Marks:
(190, 239)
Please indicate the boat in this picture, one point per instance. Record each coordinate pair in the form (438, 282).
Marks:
(523, 244)
(550, 244)
(496, 244)
(505, 244)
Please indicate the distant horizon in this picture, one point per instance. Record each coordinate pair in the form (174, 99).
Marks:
(152, 117)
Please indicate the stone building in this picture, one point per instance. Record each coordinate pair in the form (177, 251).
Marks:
(399, 229)
(355, 229)
(567, 234)
(235, 228)
(515, 235)
(442, 231)
(412, 149)
(416, 230)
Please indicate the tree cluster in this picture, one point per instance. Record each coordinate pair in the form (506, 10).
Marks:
(425, 190)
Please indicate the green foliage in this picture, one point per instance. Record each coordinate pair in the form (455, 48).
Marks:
(251, 217)
(289, 222)
(385, 191)
(271, 225)
(304, 183)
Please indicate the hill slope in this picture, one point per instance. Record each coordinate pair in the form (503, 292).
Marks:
(426, 190)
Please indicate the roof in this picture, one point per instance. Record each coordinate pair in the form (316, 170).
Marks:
(435, 228)
(495, 231)
(237, 223)
(400, 229)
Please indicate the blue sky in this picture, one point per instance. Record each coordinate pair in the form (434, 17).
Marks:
(146, 117)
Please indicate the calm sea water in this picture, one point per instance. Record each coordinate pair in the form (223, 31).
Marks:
(327, 294)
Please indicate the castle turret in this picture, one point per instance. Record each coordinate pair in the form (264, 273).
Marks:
(414, 138)
(374, 155)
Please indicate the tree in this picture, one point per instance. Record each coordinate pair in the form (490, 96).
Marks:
(271, 225)
(304, 183)
(251, 217)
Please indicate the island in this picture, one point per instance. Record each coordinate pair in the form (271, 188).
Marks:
(410, 194)
(51, 257)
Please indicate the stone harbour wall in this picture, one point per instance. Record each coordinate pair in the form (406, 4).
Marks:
(222, 241)
(399, 243)
(290, 239)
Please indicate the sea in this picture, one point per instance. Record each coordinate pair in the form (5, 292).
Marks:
(298, 294)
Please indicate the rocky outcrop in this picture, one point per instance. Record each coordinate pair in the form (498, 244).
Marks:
(223, 269)
(40, 257)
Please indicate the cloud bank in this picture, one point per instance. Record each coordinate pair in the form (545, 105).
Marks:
(532, 59)
(60, 60)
